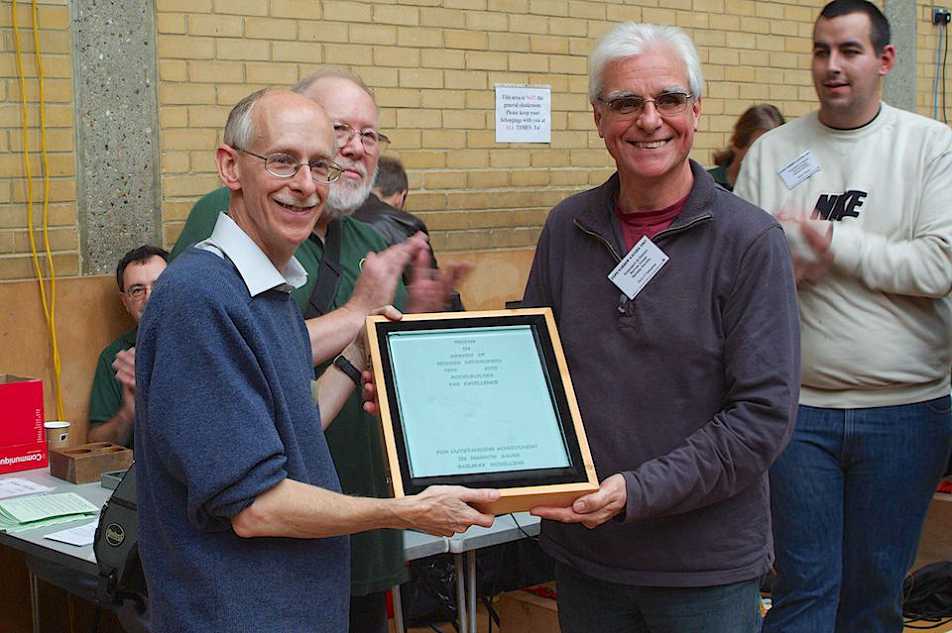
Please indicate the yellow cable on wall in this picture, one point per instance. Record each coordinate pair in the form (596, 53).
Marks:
(49, 307)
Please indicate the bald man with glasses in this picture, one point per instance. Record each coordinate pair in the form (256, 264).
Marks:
(243, 522)
(335, 317)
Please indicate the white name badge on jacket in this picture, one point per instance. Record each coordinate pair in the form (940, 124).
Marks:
(638, 267)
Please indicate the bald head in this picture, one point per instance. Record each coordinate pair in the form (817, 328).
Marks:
(277, 111)
(343, 98)
(331, 72)
(240, 127)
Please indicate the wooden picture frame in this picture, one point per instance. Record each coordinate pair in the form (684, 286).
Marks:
(480, 399)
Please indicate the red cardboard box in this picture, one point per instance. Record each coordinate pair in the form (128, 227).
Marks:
(22, 438)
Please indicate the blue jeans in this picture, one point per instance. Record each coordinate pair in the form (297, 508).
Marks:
(589, 605)
(848, 497)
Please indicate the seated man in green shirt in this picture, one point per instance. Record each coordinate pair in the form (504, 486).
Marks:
(112, 407)
(112, 404)
(377, 556)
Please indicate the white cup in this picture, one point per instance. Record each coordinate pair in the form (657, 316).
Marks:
(57, 433)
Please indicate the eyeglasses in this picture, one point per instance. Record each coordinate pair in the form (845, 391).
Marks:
(286, 166)
(372, 140)
(138, 292)
(666, 103)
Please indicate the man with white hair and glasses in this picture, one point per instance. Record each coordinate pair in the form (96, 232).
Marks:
(336, 313)
(684, 356)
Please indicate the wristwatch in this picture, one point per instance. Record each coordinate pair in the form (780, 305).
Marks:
(348, 368)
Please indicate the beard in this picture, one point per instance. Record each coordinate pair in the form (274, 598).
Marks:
(344, 197)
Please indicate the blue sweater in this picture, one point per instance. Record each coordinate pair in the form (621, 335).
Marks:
(223, 413)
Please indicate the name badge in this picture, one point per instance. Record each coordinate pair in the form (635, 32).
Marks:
(801, 168)
(638, 267)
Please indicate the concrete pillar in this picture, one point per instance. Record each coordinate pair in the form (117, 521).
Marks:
(900, 87)
(117, 152)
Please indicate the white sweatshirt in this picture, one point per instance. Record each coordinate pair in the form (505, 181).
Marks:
(877, 330)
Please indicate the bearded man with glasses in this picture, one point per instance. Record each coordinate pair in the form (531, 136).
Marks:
(684, 356)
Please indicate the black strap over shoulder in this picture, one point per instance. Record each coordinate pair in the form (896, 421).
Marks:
(328, 275)
(116, 546)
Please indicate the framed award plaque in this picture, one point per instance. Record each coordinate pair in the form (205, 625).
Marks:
(480, 399)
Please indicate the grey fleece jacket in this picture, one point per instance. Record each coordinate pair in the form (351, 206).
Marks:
(689, 390)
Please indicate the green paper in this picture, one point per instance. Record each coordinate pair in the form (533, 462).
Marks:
(25, 513)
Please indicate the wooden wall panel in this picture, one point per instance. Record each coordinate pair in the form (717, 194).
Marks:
(89, 316)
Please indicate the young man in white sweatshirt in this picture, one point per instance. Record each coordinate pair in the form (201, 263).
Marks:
(864, 191)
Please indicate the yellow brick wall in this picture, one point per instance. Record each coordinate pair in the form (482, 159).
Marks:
(55, 46)
(433, 65)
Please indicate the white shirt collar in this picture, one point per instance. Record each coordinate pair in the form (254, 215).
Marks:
(256, 270)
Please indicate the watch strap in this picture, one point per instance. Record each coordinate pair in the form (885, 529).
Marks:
(348, 368)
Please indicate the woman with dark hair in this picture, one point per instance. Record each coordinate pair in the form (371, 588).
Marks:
(755, 120)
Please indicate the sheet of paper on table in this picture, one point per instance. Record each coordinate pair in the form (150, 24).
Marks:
(16, 486)
(79, 536)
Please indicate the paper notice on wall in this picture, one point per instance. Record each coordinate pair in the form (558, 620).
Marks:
(523, 114)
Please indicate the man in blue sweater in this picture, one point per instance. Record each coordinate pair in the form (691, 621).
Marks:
(242, 523)
(335, 318)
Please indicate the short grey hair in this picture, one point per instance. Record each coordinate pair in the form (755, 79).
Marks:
(633, 38)
(240, 129)
(339, 72)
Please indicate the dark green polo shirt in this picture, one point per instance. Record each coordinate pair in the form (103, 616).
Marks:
(720, 176)
(106, 395)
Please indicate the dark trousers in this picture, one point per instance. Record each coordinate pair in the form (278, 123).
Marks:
(368, 614)
(587, 605)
